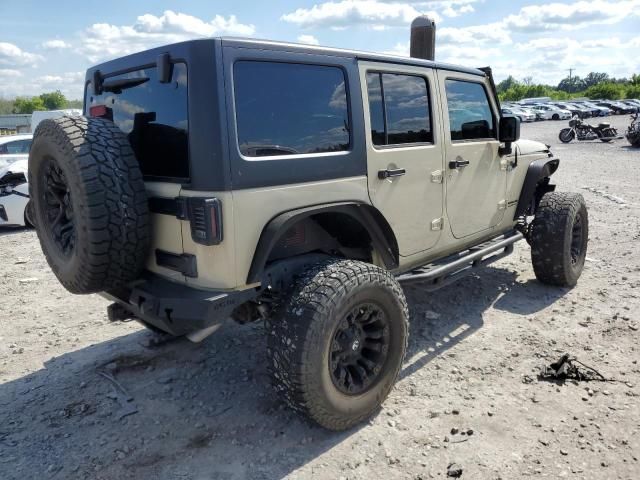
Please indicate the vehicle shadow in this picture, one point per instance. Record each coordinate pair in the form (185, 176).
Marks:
(14, 230)
(205, 410)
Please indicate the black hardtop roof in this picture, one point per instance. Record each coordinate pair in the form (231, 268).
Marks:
(181, 49)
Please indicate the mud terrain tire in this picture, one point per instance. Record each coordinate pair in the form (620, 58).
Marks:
(309, 342)
(89, 202)
(559, 236)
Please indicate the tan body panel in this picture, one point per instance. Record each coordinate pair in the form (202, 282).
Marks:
(410, 202)
(409, 209)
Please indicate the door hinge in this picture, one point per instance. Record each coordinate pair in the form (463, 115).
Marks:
(502, 205)
(436, 177)
(437, 223)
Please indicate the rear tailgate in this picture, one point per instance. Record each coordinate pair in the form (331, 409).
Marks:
(153, 113)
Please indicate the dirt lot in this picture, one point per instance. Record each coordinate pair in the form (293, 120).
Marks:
(207, 411)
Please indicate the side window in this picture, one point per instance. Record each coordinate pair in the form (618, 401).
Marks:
(18, 146)
(289, 109)
(470, 115)
(399, 109)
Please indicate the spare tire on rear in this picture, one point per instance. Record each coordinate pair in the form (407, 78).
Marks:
(89, 201)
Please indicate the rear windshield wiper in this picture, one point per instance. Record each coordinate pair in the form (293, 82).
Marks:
(116, 86)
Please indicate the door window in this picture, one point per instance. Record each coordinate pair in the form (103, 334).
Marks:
(17, 146)
(399, 109)
(289, 109)
(470, 114)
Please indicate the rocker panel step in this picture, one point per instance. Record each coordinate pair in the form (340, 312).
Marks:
(450, 269)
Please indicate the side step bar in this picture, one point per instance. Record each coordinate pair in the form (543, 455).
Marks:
(450, 269)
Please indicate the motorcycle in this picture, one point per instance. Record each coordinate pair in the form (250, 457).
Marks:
(633, 132)
(583, 131)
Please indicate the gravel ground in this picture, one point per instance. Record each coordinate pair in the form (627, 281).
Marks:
(207, 411)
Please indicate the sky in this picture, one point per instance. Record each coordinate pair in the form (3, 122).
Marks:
(47, 45)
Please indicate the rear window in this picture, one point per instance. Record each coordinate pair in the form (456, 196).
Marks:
(153, 115)
(290, 109)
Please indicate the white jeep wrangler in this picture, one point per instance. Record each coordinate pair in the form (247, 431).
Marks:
(300, 185)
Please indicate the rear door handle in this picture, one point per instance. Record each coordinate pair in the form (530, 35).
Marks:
(458, 164)
(393, 172)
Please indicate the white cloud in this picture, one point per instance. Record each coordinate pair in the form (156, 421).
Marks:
(452, 11)
(345, 13)
(308, 39)
(13, 56)
(553, 16)
(103, 40)
(55, 44)
(71, 84)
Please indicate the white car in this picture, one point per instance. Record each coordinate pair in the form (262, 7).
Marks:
(523, 115)
(551, 112)
(14, 195)
(14, 147)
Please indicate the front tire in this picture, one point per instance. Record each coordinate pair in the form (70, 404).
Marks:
(559, 236)
(336, 345)
(555, 117)
(566, 135)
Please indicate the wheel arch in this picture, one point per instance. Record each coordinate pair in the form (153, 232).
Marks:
(536, 183)
(369, 219)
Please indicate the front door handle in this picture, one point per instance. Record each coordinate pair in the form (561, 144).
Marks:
(393, 172)
(455, 164)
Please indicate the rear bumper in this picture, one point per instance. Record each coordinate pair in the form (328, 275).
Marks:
(176, 308)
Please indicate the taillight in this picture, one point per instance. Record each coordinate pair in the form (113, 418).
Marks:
(98, 111)
(205, 217)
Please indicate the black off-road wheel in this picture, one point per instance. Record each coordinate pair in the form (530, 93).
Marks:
(89, 203)
(559, 235)
(336, 344)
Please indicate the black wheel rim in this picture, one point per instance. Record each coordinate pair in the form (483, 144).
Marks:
(577, 240)
(59, 209)
(359, 349)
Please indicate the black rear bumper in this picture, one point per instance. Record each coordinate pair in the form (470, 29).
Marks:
(176, 308)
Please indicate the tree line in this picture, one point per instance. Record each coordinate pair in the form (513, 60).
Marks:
(594, 85)
(45, 101)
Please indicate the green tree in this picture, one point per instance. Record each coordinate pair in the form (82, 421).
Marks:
(633, 91)
(53, 100)
(595, 78)
(506, 84)
(571, 85)
(635, 79)
(28, 105)
(608, 90)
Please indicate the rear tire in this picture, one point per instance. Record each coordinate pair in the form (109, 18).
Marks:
(336, 344)
(90, 203)
(566, 135)
(559, 236)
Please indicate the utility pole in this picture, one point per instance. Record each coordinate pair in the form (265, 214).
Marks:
(570, 71)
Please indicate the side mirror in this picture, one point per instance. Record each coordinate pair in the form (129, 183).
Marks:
(509, 129)
(508, 132)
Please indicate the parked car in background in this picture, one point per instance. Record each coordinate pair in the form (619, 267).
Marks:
(523, 115)
(600, 111)
(615, 106)
(14, 147)
(14, 195)
(552, 112)
(594, 109)
(575, 109)
(631, 104)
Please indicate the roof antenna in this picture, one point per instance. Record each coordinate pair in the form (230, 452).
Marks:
(423, 38)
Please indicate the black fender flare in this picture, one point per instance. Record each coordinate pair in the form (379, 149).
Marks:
(538, 170)
(382, 236)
